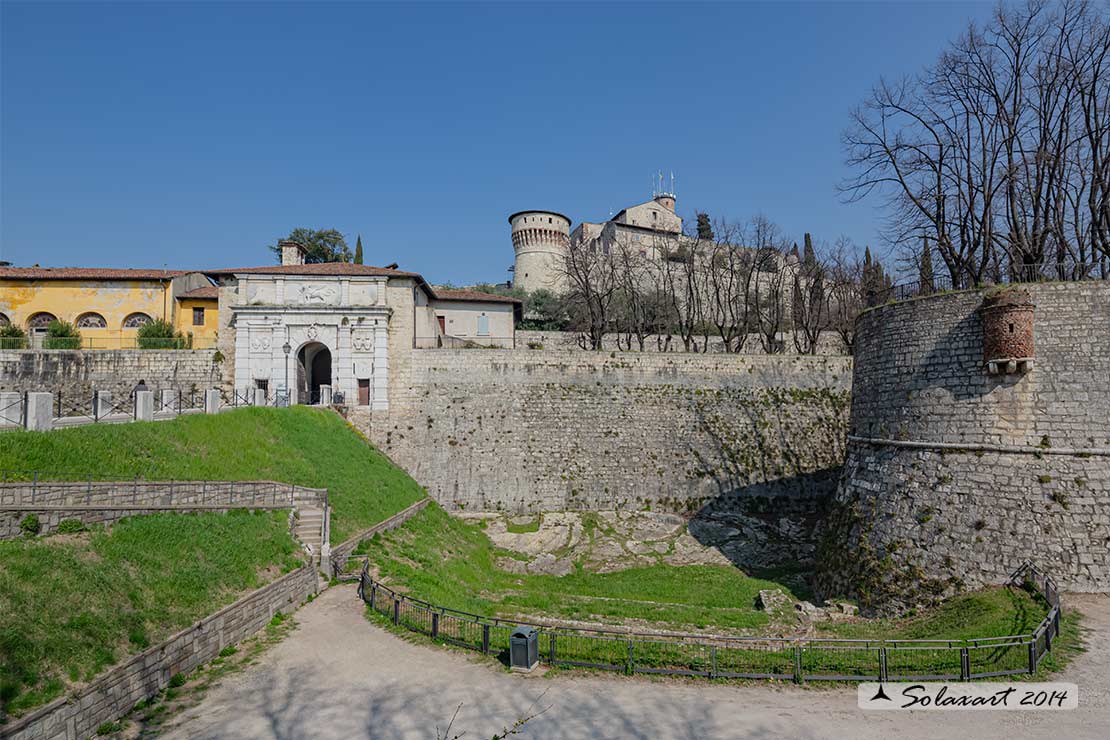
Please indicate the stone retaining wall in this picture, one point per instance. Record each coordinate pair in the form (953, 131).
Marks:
(105, 502)
(829, 343)
(112, 694)
(77, 373)
(549, 430)
(340, 553)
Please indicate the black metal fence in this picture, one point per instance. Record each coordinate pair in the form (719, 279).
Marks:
(1031, 273)
(738, 657)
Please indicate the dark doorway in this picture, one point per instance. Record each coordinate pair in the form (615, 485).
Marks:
(363, 391)
(313, 371)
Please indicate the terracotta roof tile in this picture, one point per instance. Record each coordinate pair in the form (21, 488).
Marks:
(87, 273)
(473, 295)
(319, 268)
(209, 291)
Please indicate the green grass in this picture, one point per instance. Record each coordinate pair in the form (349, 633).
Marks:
(988, 613)
(528, 527)
(452, 563)
(73, 606)
(300, 445)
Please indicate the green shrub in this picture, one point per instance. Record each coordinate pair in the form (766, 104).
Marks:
(177, 680)
(108, 728)
(70, 526)
(229, 650)
(30, 525)
(12, 337)
(160, 334)
(61, 335)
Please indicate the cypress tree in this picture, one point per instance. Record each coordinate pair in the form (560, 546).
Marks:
(809, 257)
(358, 250)
(925, 267)
(705, 228)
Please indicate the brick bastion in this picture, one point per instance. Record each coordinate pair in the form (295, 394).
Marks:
(979, 438)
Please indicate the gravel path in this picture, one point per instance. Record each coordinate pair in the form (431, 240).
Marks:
(338, 676)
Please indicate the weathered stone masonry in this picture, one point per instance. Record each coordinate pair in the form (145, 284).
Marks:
(76, 374)
(548, 430)
(953, 475)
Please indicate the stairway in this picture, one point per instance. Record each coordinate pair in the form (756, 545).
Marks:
(310, 528)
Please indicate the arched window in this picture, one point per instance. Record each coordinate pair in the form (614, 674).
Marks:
(135, 320)
(4, 320)
(40, 320)
(91, 320)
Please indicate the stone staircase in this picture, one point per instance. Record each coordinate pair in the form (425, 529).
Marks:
(309, 528)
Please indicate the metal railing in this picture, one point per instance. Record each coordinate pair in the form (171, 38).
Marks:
(108, 342)
(738, 657)
(1031, 273)
(39, 490)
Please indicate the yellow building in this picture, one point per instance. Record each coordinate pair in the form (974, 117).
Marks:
(107, 306)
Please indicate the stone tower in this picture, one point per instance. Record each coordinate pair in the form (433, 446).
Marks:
(540, 240)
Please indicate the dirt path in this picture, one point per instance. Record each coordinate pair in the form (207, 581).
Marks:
(338, 676)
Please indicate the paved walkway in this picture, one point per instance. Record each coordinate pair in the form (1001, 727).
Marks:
(339, 676)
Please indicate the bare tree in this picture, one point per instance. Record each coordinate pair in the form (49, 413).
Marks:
(594, 279)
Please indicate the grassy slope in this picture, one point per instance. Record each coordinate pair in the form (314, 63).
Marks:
(301, 445)
(451, 563)
(74, 605)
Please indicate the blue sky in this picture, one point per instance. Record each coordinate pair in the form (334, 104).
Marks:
(194, 134)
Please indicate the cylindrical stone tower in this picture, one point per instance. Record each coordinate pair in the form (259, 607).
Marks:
(1007, 318)
(540, 240)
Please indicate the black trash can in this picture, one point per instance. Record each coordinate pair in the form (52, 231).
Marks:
(524, 648)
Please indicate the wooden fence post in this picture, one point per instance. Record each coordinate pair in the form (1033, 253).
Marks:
(797, 664)
(485, 639)
(435, 625)
(396, 610)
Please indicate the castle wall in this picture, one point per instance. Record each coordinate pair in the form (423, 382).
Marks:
(953, 475)
(75, 374)
(551, 430)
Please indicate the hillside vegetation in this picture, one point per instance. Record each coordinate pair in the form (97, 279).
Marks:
(73, 605)
(301, 445)
(452, 563)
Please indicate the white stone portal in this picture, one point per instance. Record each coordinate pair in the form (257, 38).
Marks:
(297, 334)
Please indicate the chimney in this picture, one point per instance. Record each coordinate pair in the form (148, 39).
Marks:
(292, 253)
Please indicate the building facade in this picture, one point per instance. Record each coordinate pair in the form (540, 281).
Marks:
(308, 333)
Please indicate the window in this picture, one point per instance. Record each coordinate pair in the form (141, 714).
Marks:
(91, 320)
(483, 326)
(198, 316)
(4, 320)
(38, 322)
(135, 320)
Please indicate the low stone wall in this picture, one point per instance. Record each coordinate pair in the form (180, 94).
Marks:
(75, 374)
(105, 502)
(112, 694)
(342, 552)
(487, 430)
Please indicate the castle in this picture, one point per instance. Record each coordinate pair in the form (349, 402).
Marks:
(541, 238)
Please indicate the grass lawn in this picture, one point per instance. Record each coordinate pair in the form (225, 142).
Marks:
(300, 445)
(74, 605)
(449, 562)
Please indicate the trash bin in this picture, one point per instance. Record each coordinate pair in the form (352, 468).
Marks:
(524, 648)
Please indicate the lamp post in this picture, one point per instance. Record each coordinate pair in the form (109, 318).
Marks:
(286, 348)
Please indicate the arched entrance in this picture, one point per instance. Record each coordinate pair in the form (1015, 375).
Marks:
(313, 371)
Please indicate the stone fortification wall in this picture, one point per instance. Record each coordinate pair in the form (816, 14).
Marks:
(77, 373)
(955, 475)
(551, 430)
(829, 343)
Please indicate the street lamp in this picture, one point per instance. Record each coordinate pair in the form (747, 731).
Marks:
(286, 348)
